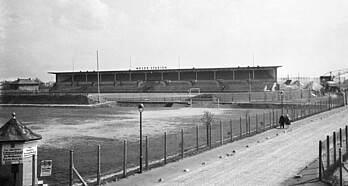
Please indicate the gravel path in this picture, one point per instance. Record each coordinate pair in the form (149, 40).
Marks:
(270, 158)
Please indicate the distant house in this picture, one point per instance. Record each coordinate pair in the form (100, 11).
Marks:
(25, 84)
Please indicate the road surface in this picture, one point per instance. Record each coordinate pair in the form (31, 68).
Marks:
(269, 158)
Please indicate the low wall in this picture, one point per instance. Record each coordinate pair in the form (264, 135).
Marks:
(45, 99)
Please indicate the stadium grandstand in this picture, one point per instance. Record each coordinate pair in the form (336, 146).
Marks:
(238, 79)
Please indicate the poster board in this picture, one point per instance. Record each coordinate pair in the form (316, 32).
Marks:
(46, 168)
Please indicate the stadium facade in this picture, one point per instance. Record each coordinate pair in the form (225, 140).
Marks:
(237, 79)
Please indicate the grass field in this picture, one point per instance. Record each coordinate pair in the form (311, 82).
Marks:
(82, 130)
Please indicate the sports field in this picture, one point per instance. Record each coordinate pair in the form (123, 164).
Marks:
(82, 130)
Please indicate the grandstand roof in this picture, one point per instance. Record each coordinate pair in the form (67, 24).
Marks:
(171, 70)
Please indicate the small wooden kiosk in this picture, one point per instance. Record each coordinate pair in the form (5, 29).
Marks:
(18, 160)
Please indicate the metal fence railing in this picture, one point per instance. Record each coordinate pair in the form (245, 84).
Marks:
(333, 151)
(119, 159)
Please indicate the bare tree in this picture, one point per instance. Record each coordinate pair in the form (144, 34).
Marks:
(207, 120)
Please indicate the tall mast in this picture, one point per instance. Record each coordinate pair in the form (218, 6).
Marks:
(130, 62)
(253, 58)
(98, 78)
(179, 61)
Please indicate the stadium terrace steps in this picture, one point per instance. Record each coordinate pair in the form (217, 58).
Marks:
(163, 86)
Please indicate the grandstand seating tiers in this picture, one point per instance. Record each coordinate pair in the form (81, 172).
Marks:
(239, 79)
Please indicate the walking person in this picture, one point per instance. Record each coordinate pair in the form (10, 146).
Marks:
(281, 121)
(287, 120)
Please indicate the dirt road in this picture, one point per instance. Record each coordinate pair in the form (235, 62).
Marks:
(269, 158)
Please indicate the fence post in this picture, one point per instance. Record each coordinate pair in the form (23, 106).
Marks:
(210, 126)
(98, 165)
(309, 109)
(257, 121)
(329, 101)
(165, 147)
(33, 171)
(296, 112)
(124, 158)
(146, 153)
(221, 134)
(276, 118)
(249, 124)
(71, 176)
(341, 162)
(320, 161)
(273, 117)
(334, 146)
(340, 137)
(240, 127)
(231, 129)
(346, 139)
(207, 127)
(313, 107)
(197, 137)
(270, 119)
(182, 143)
(264, 121)
(327, 151)
(246, 124)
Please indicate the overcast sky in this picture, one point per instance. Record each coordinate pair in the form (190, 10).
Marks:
(305, 37)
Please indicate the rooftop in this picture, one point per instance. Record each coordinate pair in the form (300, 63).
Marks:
(25, 82)
(15, 131)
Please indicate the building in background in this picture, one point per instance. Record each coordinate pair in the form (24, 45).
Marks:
(25, 84)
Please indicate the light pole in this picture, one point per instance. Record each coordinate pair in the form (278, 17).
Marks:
(141, 109)
(281, 99)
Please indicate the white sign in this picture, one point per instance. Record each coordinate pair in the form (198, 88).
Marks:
(46, 168)
(12, 154)
(29, 151)
(16, 153)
